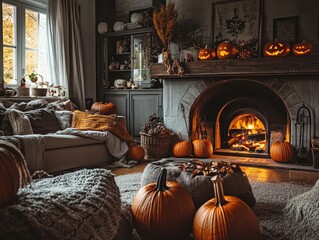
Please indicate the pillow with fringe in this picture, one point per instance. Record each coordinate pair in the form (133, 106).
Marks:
(20, 123)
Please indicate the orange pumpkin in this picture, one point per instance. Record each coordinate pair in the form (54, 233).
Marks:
(183, 149)
(281, 152)
(135, 153)
(14, 172)
(225, 218)
(104, 108)
(302, 49)
(276, 49)
(227, 50)
(163, 210)
(203, 148)
(206, 54)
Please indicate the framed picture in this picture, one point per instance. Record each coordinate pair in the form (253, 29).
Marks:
(286, 29)
(238, 21)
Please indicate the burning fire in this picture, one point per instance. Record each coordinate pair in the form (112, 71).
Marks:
(246, 132)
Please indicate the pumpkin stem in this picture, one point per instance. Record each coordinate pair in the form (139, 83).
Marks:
(218, 190)
(161, 181)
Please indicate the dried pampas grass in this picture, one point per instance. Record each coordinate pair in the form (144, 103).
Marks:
(165, 21)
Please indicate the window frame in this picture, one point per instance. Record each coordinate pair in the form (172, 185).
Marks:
(21, 6)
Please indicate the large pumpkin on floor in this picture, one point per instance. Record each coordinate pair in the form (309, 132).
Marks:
(135, 153)
(302, 49)
(163, 210)
(104, 108)
(14, 172)
(227, 50)
(276, 49)
(281, 152)
(225, 218)
(203, 148)
(206, 54)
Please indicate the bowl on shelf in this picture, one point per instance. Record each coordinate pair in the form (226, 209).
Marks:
(120, 83)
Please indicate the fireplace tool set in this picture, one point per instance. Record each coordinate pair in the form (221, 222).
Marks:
(303, 134)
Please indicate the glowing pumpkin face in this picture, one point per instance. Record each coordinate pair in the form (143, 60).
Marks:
(206, 54)
(227, 50)
(276, 49)
(302, 49)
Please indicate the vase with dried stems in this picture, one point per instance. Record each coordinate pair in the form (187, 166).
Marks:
(165, 21)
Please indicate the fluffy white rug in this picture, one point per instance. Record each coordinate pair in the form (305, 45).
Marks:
(271, 199)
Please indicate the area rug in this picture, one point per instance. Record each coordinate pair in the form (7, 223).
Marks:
(271, 198)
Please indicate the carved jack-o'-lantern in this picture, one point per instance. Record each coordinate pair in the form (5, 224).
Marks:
(206, 54)
(227, 50)
(276, 49)
(302, 49)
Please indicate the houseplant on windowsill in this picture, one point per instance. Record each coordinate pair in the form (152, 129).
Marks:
(37, 88)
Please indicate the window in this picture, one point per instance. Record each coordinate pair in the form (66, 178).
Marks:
(24, 40)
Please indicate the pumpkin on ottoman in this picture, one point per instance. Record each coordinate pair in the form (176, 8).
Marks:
(200, 186)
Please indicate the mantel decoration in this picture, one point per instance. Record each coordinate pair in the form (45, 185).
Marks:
(238, 22)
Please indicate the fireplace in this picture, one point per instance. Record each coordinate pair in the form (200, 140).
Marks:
(221, 99)
(240, 116)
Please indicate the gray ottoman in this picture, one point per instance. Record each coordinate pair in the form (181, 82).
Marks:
(200, 186)
(80, 205)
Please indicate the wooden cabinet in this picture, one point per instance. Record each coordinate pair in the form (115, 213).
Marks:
(137, 105)
(125, 55)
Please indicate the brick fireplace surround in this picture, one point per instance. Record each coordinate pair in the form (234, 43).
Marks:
(284, 84)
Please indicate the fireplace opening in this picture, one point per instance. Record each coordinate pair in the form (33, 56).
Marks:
(246, 133)
(240, 117)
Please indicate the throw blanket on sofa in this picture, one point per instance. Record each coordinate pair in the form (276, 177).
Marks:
(116, 147)
(80, 205)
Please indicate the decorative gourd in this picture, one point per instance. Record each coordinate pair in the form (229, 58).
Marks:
(276, 49)
(182, 149)
(227, 50)
(203, 148)
(206, 54)
(14, 172)
(225, 218)
(302, 49)
(163, 210)
(281, 152)
(135, 153)
(104, 108)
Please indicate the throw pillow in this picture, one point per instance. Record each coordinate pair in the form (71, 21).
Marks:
(2, 112)
(43, 121)
(65, 118)
(20, 123)
(36, 104)
(98, 122)
(19, 106)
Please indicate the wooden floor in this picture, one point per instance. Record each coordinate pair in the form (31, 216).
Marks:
(253, 173)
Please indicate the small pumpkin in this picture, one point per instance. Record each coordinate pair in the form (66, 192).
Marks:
(203, 148)
(227, 50)
(276, 49)
(104, 108)
(225, 218)
(135, 153)
(14, 172)
(206, 54)
(163, 210)
(183, 149)
(302, 49)
(281, 152)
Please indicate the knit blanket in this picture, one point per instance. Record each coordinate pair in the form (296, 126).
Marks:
(81, 205)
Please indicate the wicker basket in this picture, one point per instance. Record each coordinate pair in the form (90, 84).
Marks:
(156, 147)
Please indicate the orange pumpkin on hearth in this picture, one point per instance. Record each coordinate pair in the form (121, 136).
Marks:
(276, 49)
(302, 49)
(206, 54)
(227, 50)
(281, 152)
(203, 148)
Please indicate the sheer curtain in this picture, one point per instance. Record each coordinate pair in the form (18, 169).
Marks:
(65, 52)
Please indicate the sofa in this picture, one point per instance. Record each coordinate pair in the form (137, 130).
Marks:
(41, 129)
